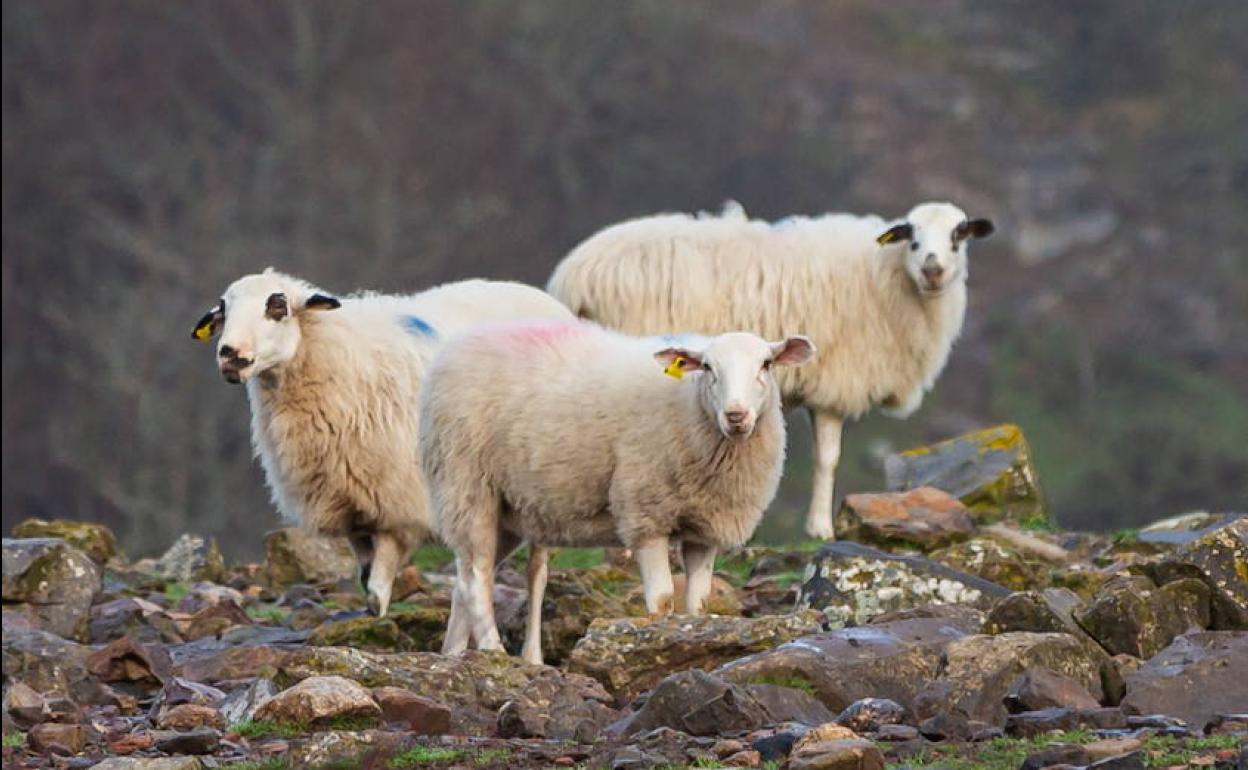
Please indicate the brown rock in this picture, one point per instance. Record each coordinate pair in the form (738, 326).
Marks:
(1132, 615)
(407, 582)
(744, 758)
(869, 714)
(1041, 688)
(924, 517)
(318, 699)
(24, 705)
(54, 738)
(1111, 747)
(1029, 724)
(295, 555)
(51, 583)
(126, 660)
(1199, 676)
(186, 716)
(1218, 560)
(423, 716)
(843, 754)
(829, 731)
(95, 540)
(216, 619)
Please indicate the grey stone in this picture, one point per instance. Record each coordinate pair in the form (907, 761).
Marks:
(51, 583)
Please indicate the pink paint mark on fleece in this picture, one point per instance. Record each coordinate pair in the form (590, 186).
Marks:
(523, 334)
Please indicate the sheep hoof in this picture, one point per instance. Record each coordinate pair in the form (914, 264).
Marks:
(821, 532)
(375, 605)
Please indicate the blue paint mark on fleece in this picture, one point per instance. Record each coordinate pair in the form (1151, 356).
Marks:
(417, 325)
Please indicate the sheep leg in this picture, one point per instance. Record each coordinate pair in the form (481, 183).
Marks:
(656, 575)
(538, 571)
(362, 544)
(458, 628)
(389, 552)
(827, 435)
(699, 563)
(474, 568)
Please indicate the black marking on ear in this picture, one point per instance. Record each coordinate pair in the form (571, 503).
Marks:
(901, 232)
(322, 302)
(276, 307)
(210, 323)
(973, 228)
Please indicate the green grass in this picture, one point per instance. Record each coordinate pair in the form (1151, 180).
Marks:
(736, 567)
(423, 755)
(1176, 751)
(1128, 535)
(433, 557)
(706, 762)
(275, 763)
(14, 740)
(996, 754)
(270, 613)
(262, 729)
(792, 682)
(176, 592)
(490, 756)
(577, 558)
(352, 724)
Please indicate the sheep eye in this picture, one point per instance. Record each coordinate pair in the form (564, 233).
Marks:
(767, 365)
(914, 245)
(275, 308)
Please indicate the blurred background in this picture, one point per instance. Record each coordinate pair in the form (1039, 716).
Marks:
(155, 151)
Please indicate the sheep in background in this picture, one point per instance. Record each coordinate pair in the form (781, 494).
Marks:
(567, 434)
(884, 301)
(334, 386)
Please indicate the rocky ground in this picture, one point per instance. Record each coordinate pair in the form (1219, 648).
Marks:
(951, 629)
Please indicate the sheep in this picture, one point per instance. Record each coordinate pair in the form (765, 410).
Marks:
(569, 434)
(890, 295)
(335, 395)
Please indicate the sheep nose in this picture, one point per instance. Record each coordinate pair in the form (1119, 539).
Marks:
(736, 416)
(227, 351)
(933, 272)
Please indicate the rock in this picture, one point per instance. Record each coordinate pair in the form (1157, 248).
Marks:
(1041, 688)
(698, 703)
(633, 654)
(178, 692)
(52, 583)
(126, 660)
(191, 558)
(95, 540)
(851, 583)
(788, 705)
(420, 715)
(1217, 559)
(215, 620)
(364, 633)
(776, 747)
(47, 663)
(341, 749)
(870, 714)
(1131, 615)
(946, 726)
(1228, 724)
(318, 699)
(424, 627)
(896, 733)
(743, 758)
(988, 559)
(1051, 610)
(201, 740)
(140, 619)
(1199, 676)
(978, 670)
(990, 470)
(1052, 756)
(159, 763)
(295, 555)
(923, 518)
(1133, 760)
(845, 751)
(1111, 747)
(1184, 528)
(62, 739)
(187, 716)
(241, 705)
(890, 660)
(24, 705)
(1029, 724)
(556, 708)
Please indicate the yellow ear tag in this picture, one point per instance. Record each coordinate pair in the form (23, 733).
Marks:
(203, 331)
(676, 369)
(886, 238)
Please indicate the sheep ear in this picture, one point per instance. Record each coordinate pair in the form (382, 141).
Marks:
(322, 302)
(794, 351)
(677, 361)
(208, 326)
(901, 232)
(974, 228)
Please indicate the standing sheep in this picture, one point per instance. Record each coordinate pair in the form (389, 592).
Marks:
(890, 295)
(567, 434)
(335, 396)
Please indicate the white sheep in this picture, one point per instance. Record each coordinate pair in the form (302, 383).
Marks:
(884, 301)
(568, 434)
(335, 398)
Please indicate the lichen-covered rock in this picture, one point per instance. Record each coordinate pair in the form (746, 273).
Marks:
(923, 518)
(364, 633)
(95, 540)
(340, 748)
(834, 747)
(191, 558)
(420, 715)
(852, 583)
(978, 670)
(1041, 688)
(889, 660)
(632, 654)
(52, 583)
(424, 627)
(294, 555)
(1029, 724)
(134, 617)
(1132, 615)
(149, 763)
(870, 714)
(994, 562)
(46, 662)
(1184, 528)
(559, 708)
(319, 699)
(989, 470)
(697, 703)
(1197, 677)
(1219, 559)
(241, 704)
